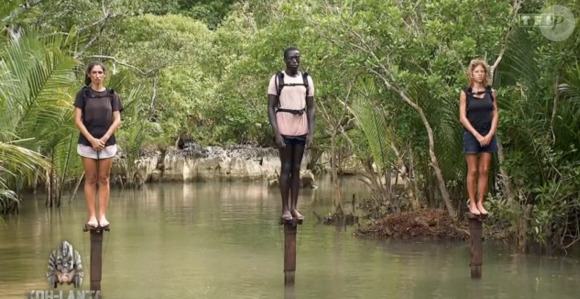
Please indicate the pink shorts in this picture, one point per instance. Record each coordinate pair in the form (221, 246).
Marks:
(88, 152)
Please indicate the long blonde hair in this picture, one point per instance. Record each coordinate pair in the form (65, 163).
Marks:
(472, 65)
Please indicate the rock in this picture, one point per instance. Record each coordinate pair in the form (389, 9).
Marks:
(212, 163)
(306, 180)
(351, 166)
(348, 165)
(273, 183)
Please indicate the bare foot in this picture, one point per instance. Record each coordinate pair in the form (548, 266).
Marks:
(103, 222)
(297, 215)
(473, 209)
(93, 222)
(481, 209)
(286, 215)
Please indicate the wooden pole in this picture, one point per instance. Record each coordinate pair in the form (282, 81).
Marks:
(289, 292)
(96, 255)
(476, 244)
(290, 231)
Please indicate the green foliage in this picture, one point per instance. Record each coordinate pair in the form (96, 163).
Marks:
(36, 108)
(370, 118)
(201, 68)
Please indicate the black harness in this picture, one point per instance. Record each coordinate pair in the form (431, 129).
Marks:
(469, 92)
(281, 84)
(88, 95)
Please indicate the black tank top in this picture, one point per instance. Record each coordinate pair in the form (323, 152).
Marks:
(479, 110)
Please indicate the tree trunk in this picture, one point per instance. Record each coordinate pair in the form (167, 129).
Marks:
(432, 156)
(334, 176)
(415, 205)
(412, 180)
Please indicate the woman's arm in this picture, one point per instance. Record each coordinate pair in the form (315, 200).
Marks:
(113, 127)
(80, 125)
(463, 115)
(117, 107)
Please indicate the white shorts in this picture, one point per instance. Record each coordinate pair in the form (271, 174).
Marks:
(89, 152)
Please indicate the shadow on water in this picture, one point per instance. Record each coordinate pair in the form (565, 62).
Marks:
(216, 240)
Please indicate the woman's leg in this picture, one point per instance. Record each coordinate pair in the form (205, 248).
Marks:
(484, 160)
(284, 179)
(90, 166)
(471, 174)
(297, 153)
(104, 170)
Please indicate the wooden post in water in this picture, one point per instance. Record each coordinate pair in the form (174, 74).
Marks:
(475, 243)
(96, 255)
(289, 292)
(290, 231)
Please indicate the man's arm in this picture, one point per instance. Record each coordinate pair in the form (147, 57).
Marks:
(272, 104)
(310, 114)
(310, 106)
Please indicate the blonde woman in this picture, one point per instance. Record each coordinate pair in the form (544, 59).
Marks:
(478, 115)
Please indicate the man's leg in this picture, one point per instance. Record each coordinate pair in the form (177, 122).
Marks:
(297, 153)
(284, 179)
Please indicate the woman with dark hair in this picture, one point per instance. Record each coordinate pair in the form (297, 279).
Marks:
(97, 116)
(478, 115)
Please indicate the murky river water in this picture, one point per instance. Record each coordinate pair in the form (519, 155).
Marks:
(215, 240)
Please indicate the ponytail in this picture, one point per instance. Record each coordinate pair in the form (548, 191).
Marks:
(87, 80)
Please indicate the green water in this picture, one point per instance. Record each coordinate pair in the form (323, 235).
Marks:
(219, 240)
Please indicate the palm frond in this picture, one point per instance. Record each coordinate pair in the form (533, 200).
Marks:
(368, 115)
(43, 71)
(20, 161)
(36, 115)
(570, 86)
(519, 64)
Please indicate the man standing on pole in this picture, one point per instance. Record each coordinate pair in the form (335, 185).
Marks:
(291, 115)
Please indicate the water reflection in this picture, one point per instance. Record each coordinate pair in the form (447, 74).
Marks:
(223, 241)
(289, 292)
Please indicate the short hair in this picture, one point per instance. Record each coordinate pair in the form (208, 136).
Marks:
(291, 48)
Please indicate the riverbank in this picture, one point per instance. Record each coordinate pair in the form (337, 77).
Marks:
(195, 163)
(424, 224)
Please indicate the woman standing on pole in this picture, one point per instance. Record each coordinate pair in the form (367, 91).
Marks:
(97, 116)
(478, 115)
